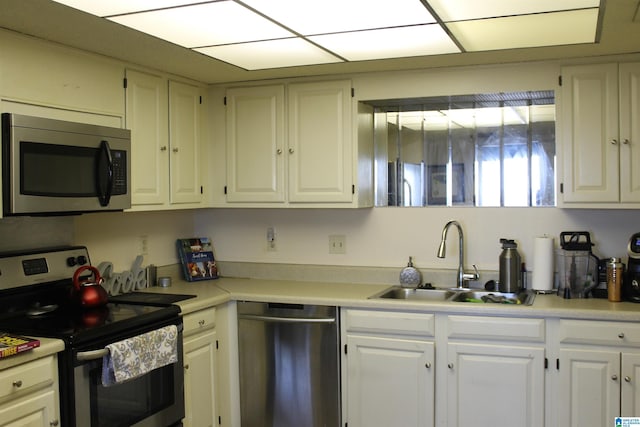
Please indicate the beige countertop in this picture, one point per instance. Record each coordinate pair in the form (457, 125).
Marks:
(47, 347)
(357, 295)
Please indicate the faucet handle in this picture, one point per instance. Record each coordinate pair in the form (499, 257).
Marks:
(472, 276)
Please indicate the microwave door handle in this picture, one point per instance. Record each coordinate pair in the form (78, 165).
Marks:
(104, 181)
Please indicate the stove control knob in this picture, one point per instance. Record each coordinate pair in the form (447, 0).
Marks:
(71, 261)
(82, 260)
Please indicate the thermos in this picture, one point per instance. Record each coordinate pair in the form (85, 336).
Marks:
(510, 267)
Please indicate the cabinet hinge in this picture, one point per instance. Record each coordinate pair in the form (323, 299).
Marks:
(560, 80)
(353, 189)
(124, 82)
(558, 364)
(225, 100)
(562, 188)
(353, 92)
(345, 349)
(225, 189)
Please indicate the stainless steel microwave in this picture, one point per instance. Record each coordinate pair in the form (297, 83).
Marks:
(54, 167)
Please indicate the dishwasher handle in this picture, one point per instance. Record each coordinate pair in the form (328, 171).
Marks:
(279, 319)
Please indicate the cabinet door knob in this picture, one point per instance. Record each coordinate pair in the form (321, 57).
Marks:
(54, 423)
(626, 142)
(186, 367)
(450, 365)
(627, 379)
(175, 150)
(201, 322)
(621, 335)
(614, 377)
(427, 365)
(17, 383)
(163, 148)
(290, 150)
(279, 151)
(614, 142)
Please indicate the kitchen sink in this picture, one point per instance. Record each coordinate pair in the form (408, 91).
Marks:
(457, 295)
(490, 297)
(425, 294)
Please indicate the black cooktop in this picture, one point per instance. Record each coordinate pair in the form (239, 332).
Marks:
(150, 298)
(77, 326)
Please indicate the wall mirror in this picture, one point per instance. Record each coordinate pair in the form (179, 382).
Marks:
(466, 150)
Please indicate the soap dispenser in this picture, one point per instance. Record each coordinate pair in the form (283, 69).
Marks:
(410, 276)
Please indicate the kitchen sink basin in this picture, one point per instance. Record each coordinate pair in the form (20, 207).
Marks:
(490, 297)
(425, 294)
(457, 295)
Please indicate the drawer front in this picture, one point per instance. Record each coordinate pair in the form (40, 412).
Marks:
(35, 374)
(496, 328)
(390, 322)
(599, 332)
(199, 320)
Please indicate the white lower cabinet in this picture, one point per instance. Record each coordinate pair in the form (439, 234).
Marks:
(495, 371)
(598, 366)
(389, 362)
(29, 394)
(200, 346)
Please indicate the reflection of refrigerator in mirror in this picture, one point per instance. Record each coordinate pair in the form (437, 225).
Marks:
(412, 184)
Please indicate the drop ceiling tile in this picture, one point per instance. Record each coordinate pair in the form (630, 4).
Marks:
(389, 43)
(546, 29)
(459, 10)
(204, 24)
(329, 16)
(270, 54)
(116, 7)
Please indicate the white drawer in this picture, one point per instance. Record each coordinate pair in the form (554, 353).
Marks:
(199, 320)
(390, 322)
(37, 373)
(496, 328)
(599, 332)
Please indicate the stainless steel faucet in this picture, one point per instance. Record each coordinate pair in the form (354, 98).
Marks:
(462, 276)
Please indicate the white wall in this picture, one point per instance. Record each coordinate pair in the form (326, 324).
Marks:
(386, 237)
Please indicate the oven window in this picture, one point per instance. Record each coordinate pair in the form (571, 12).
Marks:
(130, 402)
(74, 169)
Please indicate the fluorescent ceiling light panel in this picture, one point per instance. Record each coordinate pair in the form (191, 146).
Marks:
(545, 29)
(270, 54)
(104, 8)
(460, 10)
(352, 30)
(389, 43)
(204, 24)
(331, 16)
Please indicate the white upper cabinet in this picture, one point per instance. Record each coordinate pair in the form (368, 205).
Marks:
(599, 136)
(297, 145)
(255, 144)
(165, 121)
(184, 142)
(320, 149)
(146, 114)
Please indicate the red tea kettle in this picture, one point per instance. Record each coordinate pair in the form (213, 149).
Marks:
(89, 293)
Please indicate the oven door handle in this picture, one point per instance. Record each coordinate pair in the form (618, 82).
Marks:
(92, 354)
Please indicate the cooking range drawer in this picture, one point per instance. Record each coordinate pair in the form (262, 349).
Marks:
(38, 373)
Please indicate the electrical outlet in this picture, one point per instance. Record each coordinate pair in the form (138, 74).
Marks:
(271, 239)
(337, 244)
(143, 245)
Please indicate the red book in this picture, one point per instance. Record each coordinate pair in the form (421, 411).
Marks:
(11, 344)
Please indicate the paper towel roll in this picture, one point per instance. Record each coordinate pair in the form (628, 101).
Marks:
(542, 276)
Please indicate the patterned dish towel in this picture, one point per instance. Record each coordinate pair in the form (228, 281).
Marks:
(134, 357)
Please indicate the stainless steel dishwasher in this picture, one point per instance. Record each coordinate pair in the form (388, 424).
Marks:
(289, 365)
